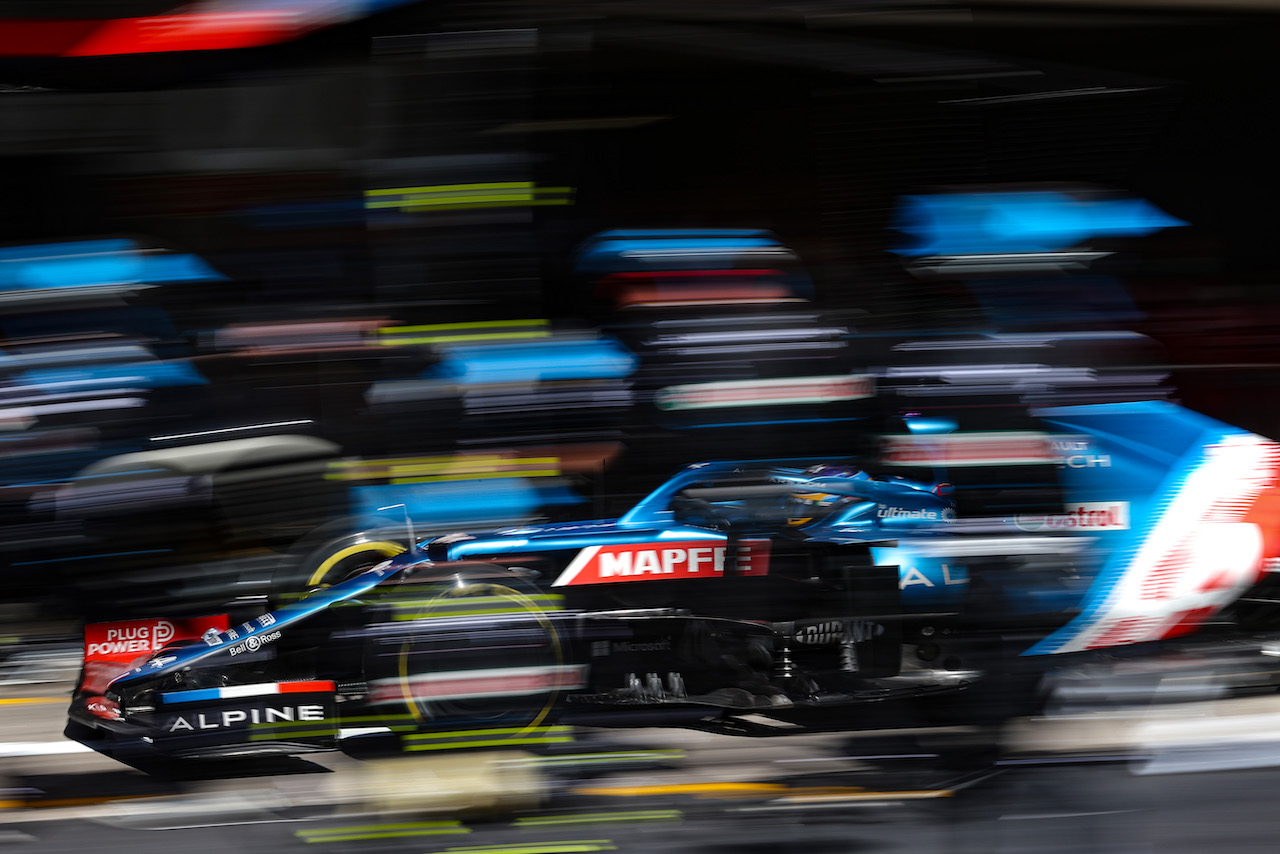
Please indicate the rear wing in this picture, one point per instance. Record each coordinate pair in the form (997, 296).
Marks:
(1175, 504)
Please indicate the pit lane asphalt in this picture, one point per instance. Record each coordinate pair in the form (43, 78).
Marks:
(1190, 777)
(1054, 809)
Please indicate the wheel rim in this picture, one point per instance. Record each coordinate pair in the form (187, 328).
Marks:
(546, 653)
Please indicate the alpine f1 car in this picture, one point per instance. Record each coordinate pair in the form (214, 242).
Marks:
(754, 598)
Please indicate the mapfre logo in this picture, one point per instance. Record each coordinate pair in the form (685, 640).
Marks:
(661, 561)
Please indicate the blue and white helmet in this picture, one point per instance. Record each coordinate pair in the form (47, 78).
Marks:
(813, 502)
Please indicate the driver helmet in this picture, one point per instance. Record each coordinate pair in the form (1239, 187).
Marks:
(809, 505)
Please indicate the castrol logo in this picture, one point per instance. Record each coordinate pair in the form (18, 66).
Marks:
(1081, 516)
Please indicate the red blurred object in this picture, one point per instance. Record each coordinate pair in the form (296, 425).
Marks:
(667, 287)
(43, 38)
(177, 32)
(167, 33)
(101, 707)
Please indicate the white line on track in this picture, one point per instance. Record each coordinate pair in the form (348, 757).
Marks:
(40, 748)
(56, 748)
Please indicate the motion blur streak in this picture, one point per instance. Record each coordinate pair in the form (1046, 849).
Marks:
(467, 196)
(222, 430)
(198, 26)
(1030, 221)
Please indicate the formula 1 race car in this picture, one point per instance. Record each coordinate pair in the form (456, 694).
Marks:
(751, 598)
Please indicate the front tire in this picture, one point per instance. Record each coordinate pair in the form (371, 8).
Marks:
(476, 652)
(324, 562)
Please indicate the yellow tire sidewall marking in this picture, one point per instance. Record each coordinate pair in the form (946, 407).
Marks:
(527, 604)
(384, 548)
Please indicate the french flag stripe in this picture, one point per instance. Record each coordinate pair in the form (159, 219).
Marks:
(231, 692)
(190, 696)
(306, 687)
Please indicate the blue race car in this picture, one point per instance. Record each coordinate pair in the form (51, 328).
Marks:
(733, 587)
(751, 598)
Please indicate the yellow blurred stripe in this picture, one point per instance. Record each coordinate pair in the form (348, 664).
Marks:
(729, 790)
(19, 701)
(566, 847)
(465, 196)
(464, 466)
(450, 201)
(381, 831)
(499, 731)
(442, 469)
(498, 737)
(477, 476)
(450, 188)
(47, 803)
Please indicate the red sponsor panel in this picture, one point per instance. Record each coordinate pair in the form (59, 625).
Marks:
(662, 561)
(112, 648)
(125, 640)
